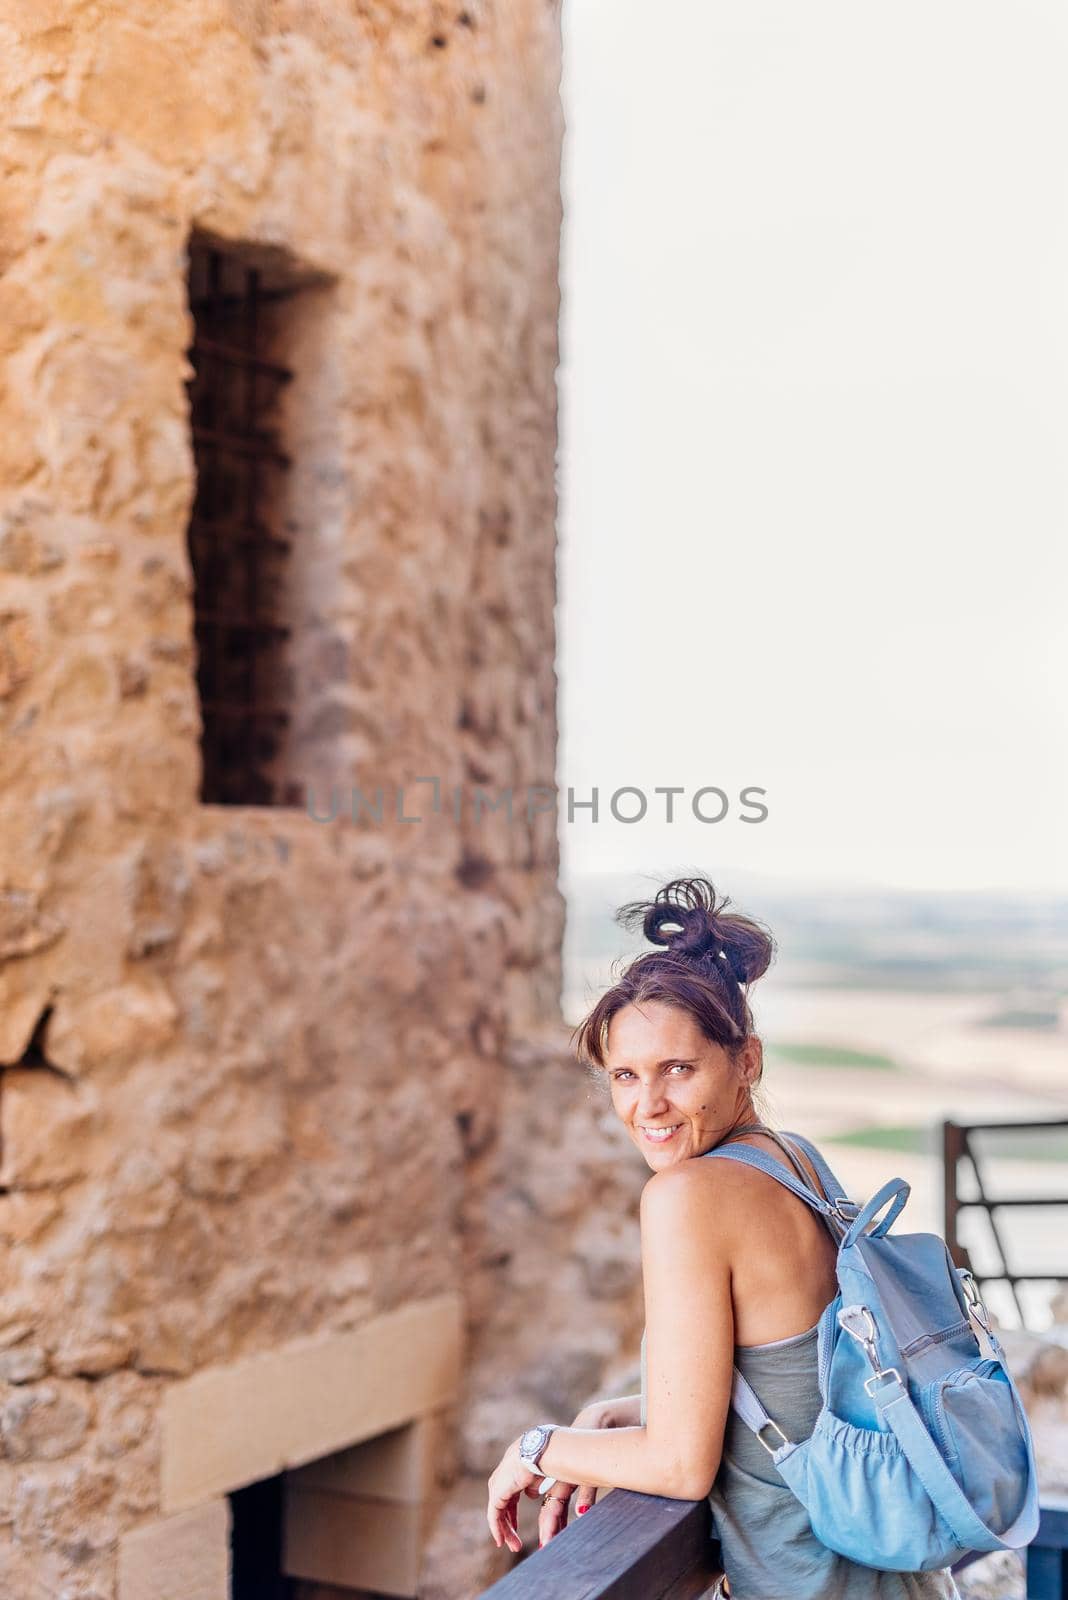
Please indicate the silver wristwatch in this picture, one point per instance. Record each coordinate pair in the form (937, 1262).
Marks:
(533, 1442)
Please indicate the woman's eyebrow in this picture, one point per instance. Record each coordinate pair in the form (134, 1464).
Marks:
(668, 1061)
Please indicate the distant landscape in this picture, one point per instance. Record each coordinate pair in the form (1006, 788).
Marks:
(1013, 947)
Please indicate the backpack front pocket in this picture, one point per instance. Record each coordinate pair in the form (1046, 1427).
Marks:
(864, 1500)
(972, 1416)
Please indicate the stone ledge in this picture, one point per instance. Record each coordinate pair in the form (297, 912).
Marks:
(233, 1425)
(186, 1557)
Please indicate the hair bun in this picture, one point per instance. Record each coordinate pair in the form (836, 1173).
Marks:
(690, 919)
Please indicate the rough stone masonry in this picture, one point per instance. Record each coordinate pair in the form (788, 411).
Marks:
(254, 1067)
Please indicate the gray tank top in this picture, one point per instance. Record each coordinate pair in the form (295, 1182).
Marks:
(769, 1549)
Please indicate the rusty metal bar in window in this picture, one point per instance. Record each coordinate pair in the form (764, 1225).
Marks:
(232, 394)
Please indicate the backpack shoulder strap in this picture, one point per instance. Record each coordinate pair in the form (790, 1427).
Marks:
(832, 1188)
(762, 1162)
(751, 1410)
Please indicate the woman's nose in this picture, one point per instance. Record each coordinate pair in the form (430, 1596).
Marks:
(651, 1099)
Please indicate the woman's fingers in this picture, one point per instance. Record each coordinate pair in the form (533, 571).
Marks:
(510, 1525)
(503, 1523)
(553, 1514)
(585, 1496)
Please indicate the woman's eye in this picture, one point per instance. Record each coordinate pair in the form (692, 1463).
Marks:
(680, 1066)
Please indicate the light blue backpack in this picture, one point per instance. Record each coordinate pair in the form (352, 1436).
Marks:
(921, 1451)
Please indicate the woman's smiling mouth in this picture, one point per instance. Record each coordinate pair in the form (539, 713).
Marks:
(660, 1135)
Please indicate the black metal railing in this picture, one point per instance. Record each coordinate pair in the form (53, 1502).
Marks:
(957, 1146)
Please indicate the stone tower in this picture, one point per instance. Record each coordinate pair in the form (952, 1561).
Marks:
(278, 303)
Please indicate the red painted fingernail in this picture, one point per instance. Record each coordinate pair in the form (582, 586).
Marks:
(582, 1509)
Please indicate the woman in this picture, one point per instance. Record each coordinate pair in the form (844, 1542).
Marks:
(736, 1271)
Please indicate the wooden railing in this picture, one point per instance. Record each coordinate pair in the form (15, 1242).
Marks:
(643, 1547)
(628, 1547)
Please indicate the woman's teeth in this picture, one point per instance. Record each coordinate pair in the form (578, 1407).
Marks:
(659, 1135)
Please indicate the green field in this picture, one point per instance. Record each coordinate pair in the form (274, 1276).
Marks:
(1049, 1020)
(830, 1055)
(1008, 1146)
(917, 1141)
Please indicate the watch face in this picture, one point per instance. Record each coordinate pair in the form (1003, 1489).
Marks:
(531, 1441)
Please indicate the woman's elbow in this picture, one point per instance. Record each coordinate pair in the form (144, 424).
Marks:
(692, 1480)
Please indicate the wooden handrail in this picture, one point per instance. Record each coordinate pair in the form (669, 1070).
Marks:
(645, 1547)
(628, 1547)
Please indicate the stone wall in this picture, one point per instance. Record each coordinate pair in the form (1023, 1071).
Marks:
(252, 1063)
(554, 1283)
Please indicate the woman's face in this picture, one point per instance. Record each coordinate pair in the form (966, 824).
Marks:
(676, 1092)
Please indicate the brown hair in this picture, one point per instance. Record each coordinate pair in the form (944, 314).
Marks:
(706, 960)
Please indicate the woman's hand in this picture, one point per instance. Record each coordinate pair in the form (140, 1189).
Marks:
(508, 1480)
(553, 1517)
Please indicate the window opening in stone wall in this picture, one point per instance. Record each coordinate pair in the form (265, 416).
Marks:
(256, 1543)
(239, 561)
(258, 1565)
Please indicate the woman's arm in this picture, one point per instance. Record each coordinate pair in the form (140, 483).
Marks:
(689, 1337)
(623, 1412)
(689, 1330)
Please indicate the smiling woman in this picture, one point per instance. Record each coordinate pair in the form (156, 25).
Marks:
(737, 1270)
(675, 1035)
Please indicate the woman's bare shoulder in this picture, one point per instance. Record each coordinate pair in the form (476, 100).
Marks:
(703, 1193)
(717, 1197)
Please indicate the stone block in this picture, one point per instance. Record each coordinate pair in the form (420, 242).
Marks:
(24, 1216)
(19, 650)
(117, 1027)
(185, 1557)
(24, 1363)
(232, 1425)
(398, 1465)
(25, 926)
(43, 1422)
(44, 1122)
(352, 1540)
(89, 1347)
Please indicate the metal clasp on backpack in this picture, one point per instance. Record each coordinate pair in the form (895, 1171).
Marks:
(860, 1324)
(979, 1316)
(845, 1210)
(771, 1448)
(976, 1308)
(877, 1377)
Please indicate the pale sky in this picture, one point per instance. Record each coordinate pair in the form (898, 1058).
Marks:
(814, 435)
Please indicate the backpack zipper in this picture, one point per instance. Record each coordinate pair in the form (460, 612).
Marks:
(925, 1340)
